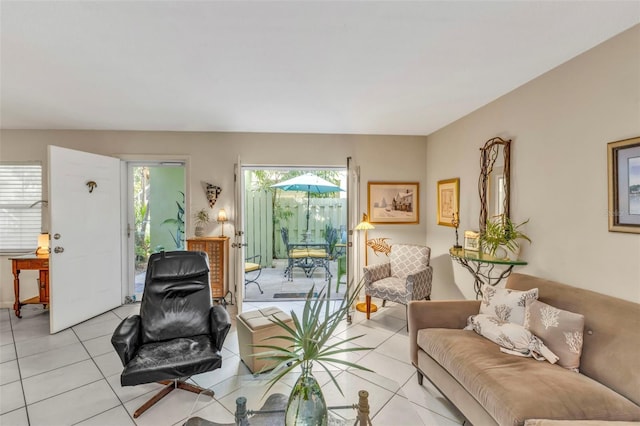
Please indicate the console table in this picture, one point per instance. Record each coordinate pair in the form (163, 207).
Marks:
(33, 262)
(481, 266)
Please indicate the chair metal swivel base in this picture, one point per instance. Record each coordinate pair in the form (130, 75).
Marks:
(170, 385)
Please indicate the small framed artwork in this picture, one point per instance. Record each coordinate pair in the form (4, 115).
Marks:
(394, 202)
(471, 241)
(448, 201)
(624, 185)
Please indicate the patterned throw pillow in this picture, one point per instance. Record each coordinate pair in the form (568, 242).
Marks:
(560, 330)
(512, 338)
(506, 304)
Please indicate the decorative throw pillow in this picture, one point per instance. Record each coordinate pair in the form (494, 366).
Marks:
(513, 338)
(560, 330)
(504, 303)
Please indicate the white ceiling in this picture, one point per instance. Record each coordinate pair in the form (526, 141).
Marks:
(404, 68)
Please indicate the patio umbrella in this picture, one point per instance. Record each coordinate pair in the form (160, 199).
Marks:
(309, 183)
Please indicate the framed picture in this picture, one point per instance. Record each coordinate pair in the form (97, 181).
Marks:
(624, 185)
(471, 240)
(448, 200)
(394, 202)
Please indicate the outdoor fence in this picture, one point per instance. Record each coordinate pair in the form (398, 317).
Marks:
(262, 229)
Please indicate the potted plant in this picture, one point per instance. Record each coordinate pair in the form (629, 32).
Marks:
(201, 221)
(501, 236)
(309, 339)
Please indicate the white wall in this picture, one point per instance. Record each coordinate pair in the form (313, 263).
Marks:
(212, 157)
(560, 124)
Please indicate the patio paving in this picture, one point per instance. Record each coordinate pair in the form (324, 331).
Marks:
(273, 282)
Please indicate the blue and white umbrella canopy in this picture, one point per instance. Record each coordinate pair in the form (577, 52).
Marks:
(308, 183)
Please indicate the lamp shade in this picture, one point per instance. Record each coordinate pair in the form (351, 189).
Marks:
(222, 216)
(43, 244)
(364, 225)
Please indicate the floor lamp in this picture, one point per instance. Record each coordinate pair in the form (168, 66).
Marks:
(365, 226)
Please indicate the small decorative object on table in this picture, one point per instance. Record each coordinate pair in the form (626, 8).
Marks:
(309, 343)
(456, 222)
(222, 218)
(201, 221)
(471, 240)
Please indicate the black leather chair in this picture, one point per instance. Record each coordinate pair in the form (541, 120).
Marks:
(178, 333)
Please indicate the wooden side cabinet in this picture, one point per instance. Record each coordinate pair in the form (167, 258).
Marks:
(34, 262)
(217, 248)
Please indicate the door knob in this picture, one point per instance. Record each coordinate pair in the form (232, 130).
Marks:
(58, 249)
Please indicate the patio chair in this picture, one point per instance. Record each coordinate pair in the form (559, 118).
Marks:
(307, 256)
(252, 270)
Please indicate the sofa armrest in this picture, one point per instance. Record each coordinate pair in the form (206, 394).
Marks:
(220, 325)
(126, 338)
(437, 314)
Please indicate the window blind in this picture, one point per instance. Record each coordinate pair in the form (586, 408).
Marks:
(20, 212)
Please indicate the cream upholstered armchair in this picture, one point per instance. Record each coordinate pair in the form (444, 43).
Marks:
(405, 277)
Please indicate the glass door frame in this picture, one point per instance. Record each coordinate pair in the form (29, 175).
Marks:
(150, 161)
(241, 211)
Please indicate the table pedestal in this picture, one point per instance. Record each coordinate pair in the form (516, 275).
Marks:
(482, 266)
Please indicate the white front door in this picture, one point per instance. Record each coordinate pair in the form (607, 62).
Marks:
(85, 261)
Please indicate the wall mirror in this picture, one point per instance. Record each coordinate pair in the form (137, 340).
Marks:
(494, 181)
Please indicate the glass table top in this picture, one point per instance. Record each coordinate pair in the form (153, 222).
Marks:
(479, 256)
(254, 388)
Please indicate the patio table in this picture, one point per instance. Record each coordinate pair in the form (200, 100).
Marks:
(308, 256)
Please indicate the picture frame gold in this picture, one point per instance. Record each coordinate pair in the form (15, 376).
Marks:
(394, 202)
(448, 201)
(472, 241)
(623, 160)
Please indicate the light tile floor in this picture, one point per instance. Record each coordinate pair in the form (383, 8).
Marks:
(73, 377)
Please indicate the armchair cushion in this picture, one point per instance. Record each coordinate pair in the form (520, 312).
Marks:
(161, 360)
(406, 259)
(178, 302)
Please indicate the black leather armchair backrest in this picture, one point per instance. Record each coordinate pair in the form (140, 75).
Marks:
(177, 296)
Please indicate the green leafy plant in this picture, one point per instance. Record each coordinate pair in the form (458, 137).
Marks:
(201, 217)
(331, 237)
(178, 222)
(309, 337)
(501, 231)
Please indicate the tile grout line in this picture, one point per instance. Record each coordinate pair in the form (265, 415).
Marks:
(15, 350)
(103, 378)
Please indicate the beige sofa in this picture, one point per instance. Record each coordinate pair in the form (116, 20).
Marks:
(490, 387)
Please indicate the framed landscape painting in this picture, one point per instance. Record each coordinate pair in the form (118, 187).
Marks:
(448, 200)
(624, 185)
(394, 202)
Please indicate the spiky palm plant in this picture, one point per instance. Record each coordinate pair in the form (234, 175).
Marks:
(310, 335)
